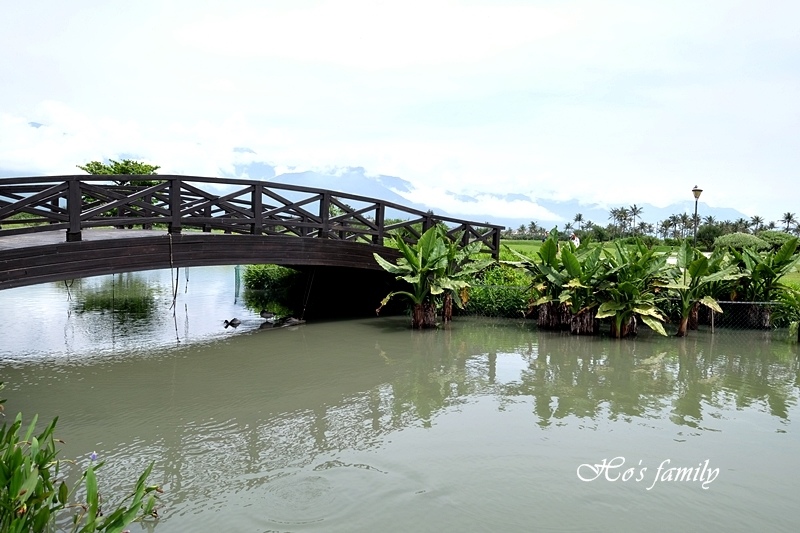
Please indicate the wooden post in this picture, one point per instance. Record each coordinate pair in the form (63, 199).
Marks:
(380, 216)
(207, 214)
(495, 243)
(427, 223)
(175, 205)
(325, 215)
(258, 210)
(74, 202)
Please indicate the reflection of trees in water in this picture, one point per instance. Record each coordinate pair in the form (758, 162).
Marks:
(258, 300)
(692, 379)
(126, 299)
(686, 380)
(408, 380)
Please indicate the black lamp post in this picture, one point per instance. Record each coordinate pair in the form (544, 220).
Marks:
(696, 191)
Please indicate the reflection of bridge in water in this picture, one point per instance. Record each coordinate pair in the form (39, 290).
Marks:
(243, 222)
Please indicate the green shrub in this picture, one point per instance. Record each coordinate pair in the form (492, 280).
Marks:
(273, 278)
(648, 240)
(271, 287)
(774, 238)
(599, 234)
(788, 310)
(501, 291)
(740, 241)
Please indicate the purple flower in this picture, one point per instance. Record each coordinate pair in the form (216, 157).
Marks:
(93, 456)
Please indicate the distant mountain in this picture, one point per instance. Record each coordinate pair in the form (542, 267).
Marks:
(392, 189)
(354, 180)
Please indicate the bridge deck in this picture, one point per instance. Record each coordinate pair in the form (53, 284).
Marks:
(13, 242)
(40, 258)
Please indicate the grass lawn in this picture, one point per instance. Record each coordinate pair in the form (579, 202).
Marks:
(529, 248)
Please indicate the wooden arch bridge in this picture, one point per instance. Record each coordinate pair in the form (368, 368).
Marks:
(124, 223)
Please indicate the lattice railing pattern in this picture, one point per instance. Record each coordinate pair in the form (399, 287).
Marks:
(75, 203)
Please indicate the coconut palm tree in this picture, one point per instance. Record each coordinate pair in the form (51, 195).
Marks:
(788, 219)
(579, 220)
(741, 225)
(533, 228)
(633, 212)
(614, 216)
(756, 222)
(620, 217)
(685, 223)
(664, 227)
(710, 220)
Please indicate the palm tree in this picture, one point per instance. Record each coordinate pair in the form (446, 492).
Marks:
(620, 216)
(756, 221)
(727, 226)
(522, 229)
(614, 216)
(533, 227)
(579, 220)
(634, 211)
(663, 228)
(741, 225)
(788, 219)
(686, 223)
(709, 220)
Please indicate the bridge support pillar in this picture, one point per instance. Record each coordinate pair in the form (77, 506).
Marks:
(73, 236)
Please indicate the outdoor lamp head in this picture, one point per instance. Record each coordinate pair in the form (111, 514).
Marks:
(696, 192)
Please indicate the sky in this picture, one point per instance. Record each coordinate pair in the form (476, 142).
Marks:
(605, 102)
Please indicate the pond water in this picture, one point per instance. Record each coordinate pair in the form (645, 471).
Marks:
(365, 425)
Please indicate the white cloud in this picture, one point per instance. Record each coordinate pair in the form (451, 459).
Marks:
(443, 199)
(613, 103)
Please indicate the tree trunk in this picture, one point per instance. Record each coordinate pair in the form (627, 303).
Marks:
(627, 329)
(682, 327)
(554, 315)
(423, 316)
(693, 316)
(447, 308)
(584, 323)
(758, 316)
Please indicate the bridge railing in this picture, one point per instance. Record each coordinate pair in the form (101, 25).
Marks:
(76, 203)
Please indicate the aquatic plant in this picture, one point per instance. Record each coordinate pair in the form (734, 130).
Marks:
(34, 497)
(433, 267)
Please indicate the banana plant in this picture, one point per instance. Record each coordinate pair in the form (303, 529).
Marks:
(761, 279)
(432, 268)
(584, 270)
(763, 270)
(548, 279)
(627, 290)
(461, 266)
(693, 279)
